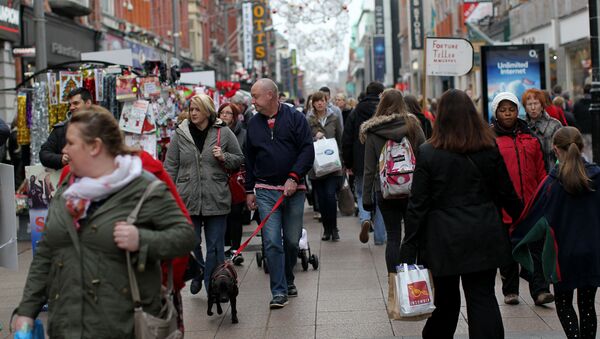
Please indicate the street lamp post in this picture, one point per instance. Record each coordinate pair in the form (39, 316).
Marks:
(594, 5)
(41, 62)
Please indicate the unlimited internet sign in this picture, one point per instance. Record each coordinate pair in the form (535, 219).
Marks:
(448, 56)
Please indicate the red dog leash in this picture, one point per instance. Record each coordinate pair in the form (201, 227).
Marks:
(260, 226)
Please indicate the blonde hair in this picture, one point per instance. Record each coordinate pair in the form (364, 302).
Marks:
(571, 169)
(206, 105)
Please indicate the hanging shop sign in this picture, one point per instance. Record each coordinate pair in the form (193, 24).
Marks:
(24, 51)
(379, 19)
(416, 24)
(247, 33)
(259, 16)
(10, 20)
(379, 58)
(448, 56)
(514, 68)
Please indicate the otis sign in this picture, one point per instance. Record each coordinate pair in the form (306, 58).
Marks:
(259, 21)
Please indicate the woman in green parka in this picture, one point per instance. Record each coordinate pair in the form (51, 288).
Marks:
(80, 268)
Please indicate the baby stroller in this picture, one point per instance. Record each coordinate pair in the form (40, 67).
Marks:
(304, 254)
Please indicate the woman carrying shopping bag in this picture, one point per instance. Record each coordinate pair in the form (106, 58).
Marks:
(453, 224)
(565, 212)
(326, 125)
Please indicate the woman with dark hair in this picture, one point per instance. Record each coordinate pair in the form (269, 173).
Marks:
(390, 122)
(233, 235)
(198, 166)
(453, 224)
(325, 124)
(565, 209)
(413, 106)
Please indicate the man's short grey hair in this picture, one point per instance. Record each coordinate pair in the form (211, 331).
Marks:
(268, 85)
(239, 99)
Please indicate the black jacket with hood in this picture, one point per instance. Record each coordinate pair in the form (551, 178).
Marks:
(353, 151)
(374, 133)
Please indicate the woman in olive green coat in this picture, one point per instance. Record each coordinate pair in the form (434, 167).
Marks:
(80, 267)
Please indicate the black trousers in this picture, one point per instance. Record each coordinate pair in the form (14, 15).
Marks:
(392, 211)
(233, 233)
(537, 282)
(325, 190)
(482, 308)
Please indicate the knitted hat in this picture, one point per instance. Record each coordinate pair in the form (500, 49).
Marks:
(503, 96)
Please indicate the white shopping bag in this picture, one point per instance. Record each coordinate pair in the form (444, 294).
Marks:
(327, 157)
(414, 291)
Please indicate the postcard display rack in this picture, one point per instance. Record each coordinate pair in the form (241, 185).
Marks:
(145, 108)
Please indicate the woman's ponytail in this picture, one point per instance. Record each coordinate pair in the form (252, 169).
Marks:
(571, 169)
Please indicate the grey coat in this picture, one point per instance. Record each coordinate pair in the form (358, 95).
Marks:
(544, 129)
(331, 130)
(200, 178)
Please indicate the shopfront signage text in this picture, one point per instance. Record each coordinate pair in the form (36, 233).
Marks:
(416, 24)
(69, 51)
(247, 33)
(259, 14)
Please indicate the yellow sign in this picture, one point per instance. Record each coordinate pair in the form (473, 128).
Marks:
(259, 16)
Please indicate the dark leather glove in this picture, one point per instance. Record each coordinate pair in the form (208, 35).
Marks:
(369, 207)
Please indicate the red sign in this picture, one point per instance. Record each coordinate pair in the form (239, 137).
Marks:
(418, 294)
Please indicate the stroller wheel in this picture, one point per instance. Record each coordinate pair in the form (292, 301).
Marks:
(304, 259)
(314, 260)
(259, 259)
(265, 266)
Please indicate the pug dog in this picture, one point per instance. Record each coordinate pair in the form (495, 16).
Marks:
(223, 288)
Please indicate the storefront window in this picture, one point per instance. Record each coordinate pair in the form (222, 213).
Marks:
(580, 68)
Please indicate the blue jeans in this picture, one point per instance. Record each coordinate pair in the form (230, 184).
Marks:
(281, 254)
(379, 234)
(214, 232)
(326, 189)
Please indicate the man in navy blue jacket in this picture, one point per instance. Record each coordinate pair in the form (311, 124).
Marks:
(279, 152)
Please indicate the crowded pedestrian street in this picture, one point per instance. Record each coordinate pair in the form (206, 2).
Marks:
(344, 298)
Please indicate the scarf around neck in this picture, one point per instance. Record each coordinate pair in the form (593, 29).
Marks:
(82, 191)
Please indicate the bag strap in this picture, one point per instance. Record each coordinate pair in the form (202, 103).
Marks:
(131, 219)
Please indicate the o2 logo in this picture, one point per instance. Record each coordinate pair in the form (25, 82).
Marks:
(328, 152)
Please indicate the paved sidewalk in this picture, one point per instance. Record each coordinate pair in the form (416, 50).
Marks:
(345, 298)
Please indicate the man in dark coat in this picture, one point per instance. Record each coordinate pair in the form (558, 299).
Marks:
(51, 155)
(583, 120)
(4, 132)
(353, 154)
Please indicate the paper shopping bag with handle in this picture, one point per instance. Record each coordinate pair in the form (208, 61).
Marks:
(414, 292)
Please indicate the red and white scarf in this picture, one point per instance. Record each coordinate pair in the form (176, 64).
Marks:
(82, 191)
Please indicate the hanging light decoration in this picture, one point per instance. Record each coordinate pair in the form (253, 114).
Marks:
(320, 48)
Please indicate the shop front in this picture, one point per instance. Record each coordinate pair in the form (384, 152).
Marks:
(139, 51)
(10, 34)
(65, 39)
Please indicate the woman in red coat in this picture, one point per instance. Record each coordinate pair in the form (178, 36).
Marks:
(524, 161)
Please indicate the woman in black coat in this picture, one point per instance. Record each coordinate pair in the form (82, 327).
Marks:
(453, 221)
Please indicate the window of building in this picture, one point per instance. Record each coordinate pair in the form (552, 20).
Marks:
(108, 7)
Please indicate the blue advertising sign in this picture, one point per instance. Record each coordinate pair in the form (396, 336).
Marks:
(514, 69)
(379, 58)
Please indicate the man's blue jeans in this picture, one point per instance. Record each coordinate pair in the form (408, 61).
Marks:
(281, 254)
(379, 234)
(214, 232)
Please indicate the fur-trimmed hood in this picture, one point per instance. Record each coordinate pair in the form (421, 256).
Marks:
(391, 127)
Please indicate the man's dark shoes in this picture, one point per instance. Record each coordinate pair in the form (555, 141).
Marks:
(335, 235)
(238, 260)
(279, 301)
(326, 237)
(195, 286)
(292, 291)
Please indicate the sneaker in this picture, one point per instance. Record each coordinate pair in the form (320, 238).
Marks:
(364, 231)
(279, 301)
(196, 286)
(544, 298)
(292, 291)
(238, 260)
(317, 215)
(511, 299)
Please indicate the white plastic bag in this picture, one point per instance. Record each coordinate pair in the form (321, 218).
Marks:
(414, 291)
(327, 157)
